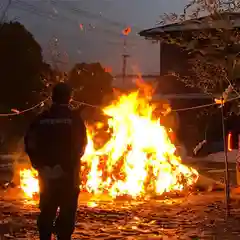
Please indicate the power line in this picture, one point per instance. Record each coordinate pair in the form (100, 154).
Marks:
(5, 11)
(32, 9)
(82, 12)
(4, 14)
(22, 5)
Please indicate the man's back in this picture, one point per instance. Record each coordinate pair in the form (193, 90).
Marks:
(60, 138)
(55, 142)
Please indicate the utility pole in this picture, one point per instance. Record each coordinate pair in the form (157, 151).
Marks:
(160, 58)
(125, 56)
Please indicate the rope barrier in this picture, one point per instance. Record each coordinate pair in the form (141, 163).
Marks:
(25, 110)
(86, 104)
(192, 108)
(41, 104)
(173, 110)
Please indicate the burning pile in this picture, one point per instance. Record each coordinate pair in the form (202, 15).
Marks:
(138, 159)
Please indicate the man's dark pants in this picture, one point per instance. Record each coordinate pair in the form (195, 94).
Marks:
(54, 194)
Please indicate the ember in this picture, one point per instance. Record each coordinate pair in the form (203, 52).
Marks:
(139, 158)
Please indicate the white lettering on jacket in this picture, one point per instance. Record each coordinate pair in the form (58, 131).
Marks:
(56, 121)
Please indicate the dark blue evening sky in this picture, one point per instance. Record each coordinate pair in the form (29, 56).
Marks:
(90, 30)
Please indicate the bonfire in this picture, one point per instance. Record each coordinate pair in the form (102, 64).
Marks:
(138, 159)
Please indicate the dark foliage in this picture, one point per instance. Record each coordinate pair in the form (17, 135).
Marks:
(92, 85)
(90, 82)
(21, 64)
(22, 77)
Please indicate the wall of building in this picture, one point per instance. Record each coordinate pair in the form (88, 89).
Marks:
(173, 58)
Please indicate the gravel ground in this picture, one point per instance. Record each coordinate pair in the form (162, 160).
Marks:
(196, 216)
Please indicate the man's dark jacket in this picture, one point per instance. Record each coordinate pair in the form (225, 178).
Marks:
(57, 137)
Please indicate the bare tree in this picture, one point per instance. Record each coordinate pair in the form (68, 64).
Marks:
(213, 44)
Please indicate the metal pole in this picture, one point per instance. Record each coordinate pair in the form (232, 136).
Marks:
(227, 190)
(229, 63)
(125, 56)
(160, 57)
(124, 68)
(124, 60)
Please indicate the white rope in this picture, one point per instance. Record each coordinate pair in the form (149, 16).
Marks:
(41, 104)
(16, 112)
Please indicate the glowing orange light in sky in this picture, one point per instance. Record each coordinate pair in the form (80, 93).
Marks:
(126, 31)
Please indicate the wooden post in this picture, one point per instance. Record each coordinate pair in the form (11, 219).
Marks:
(160, 57)
(238, 163)
(229, 63)
(125, 56)
(227, 190)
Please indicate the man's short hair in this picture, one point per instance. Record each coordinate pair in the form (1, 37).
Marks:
(61, 93)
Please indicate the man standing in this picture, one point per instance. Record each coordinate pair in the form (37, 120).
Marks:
(55, 143)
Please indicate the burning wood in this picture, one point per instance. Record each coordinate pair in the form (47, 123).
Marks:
(139, 159)
(29, 182)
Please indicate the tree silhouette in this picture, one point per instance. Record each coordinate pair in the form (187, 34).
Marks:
(92, 85)
(21, 64)
(90, 82)
(21, 76)
(49, 77)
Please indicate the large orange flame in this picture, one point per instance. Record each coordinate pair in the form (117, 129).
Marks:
(29, 182)
(138, 159)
